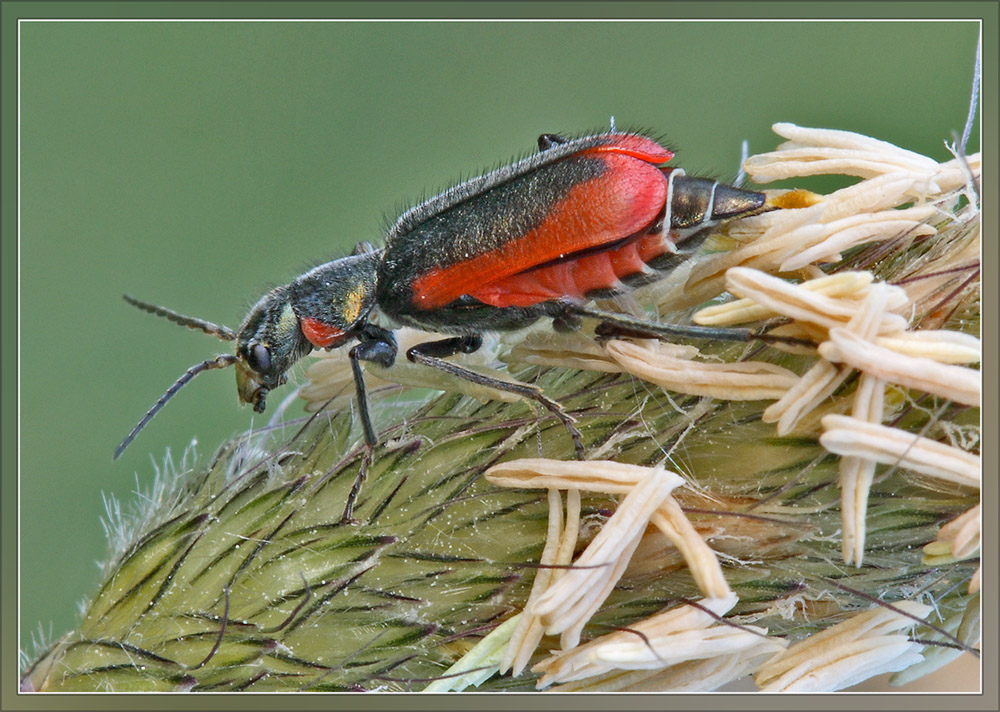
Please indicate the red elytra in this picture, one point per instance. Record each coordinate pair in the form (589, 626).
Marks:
(636, 146)
(623, 202)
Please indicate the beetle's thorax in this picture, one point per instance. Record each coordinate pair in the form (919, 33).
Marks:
(336, 298)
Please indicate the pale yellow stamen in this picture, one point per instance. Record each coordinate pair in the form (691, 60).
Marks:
(857, 438)
(843, 234)
(847, 653)
(938, 345)
(857, 473)
(605, 476)
(699, 675)
(955, 382)
(812, 151)
(701, 560)
(571, 601)
(964, 532)
(958, 539)
(743, 380)
(571, 597)
(558, 552)
(873, 195)
(815, 386)
(851, 285)
(824, 378)
(794, 301)
(675, 637)
(856, 476)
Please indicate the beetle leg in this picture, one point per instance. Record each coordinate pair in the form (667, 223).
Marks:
(379, 346)
(433, 353)
(615, 325)
(444, 348)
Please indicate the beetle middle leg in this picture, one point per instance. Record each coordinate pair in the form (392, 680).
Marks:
(433, 353)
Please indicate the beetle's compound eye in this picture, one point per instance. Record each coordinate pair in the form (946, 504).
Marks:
(259, 358)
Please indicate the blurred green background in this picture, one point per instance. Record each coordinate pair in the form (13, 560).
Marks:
(196, 164)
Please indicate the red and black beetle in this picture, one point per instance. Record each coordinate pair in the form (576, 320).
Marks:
(582, 218)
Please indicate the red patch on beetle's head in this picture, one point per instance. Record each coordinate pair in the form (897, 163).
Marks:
(320, 334)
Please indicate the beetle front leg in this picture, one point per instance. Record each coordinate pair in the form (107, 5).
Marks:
(380, 349)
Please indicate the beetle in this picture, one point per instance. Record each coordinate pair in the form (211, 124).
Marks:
(582, 218)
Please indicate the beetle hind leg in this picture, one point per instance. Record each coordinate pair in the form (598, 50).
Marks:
(622, 325)
(433, 353)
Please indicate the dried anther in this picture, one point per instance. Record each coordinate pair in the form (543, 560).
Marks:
(958, 539)
(605, 476)
(743, 380)
(676, 637)
(858, 438)
(558, 553)
(954, 382)
(812, 151)
(573, 599)
(862, 646)
(563, 602)
(811, 305)
(850, 285)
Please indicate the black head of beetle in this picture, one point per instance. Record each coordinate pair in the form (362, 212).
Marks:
(323, 308)
(267, 344)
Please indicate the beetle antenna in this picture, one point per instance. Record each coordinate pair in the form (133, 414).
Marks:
(221, 332)
(221, 361)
